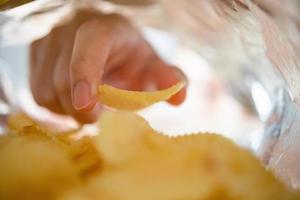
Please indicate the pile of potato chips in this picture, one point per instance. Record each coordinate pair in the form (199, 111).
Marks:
(128, 160)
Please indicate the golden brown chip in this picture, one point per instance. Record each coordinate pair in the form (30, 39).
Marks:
(38, 165)
(133, 100)
(33, 167)
(17, 121)
(85, 157)
(128, 160)
(140, 163)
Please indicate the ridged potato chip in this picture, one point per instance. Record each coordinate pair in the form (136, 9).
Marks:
(34, 167)
(128, 160)
(85, 157)
(134, 100)
(17, 121)
(140, 163)
(37, 165)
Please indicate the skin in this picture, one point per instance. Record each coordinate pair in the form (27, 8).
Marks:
(70, 62)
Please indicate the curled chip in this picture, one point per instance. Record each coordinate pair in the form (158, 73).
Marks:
(134, 100)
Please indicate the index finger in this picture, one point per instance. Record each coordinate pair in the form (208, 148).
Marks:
(91, 50)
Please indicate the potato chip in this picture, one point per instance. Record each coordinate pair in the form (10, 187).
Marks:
(39, 165)
(128, 160)
(134, 100)
(17, 121)
(85, 157)
(140, 163)
(120, 129)
(33, 167)
(82, 153)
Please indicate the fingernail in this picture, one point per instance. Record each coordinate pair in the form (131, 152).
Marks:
(81, 95)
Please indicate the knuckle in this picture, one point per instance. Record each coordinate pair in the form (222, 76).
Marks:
(81, 60)
(105, 25)
(93, 25)
(117, 19)
(61, 85)
(42, 94)
(46, 99)
(89, 24)
(36, 44)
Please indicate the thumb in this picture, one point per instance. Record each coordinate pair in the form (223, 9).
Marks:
(90, 53)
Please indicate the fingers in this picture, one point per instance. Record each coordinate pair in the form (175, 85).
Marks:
(164, 76)
(41, 81)
(144, 67)
(91, 50)
(129, 74)
(63, 91)
(49, 78)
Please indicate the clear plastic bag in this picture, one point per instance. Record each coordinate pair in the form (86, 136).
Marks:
(253, 51)
(252, 47)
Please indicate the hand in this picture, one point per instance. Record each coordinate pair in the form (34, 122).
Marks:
(74, 58)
